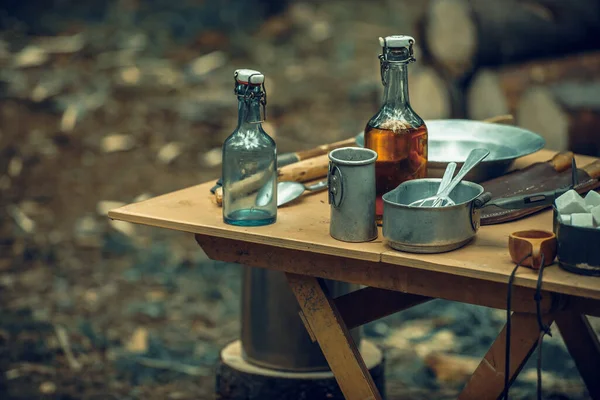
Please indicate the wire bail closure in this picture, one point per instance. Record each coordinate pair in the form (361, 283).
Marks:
(384, 62)
(248, 95)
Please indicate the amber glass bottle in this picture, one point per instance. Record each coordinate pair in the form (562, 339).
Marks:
(396, 132)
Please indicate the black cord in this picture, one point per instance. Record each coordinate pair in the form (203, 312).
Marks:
(538, 300)
(539, 366)
(544, 329)
(508, 326)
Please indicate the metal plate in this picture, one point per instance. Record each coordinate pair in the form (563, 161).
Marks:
(452, 140)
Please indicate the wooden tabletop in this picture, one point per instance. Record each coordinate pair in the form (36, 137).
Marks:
(304, 225)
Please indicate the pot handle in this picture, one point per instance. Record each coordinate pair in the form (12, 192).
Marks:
(482, 200)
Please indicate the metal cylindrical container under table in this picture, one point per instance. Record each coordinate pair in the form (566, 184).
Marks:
(273, 335)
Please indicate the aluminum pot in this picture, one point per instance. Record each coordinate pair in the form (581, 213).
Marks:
(440, 229)
(430, 229)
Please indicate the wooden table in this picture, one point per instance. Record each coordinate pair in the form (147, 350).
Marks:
(299, 245)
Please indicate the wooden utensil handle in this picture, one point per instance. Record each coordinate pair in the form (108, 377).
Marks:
(307, 170)
(245, 186)
(500, 119)
(562, 161)
(219, 195)
(325, 149)
(593, 169)
(302, 171)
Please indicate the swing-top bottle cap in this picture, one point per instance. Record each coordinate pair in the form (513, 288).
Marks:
(396, 41)
(397, 48)
(249, 76)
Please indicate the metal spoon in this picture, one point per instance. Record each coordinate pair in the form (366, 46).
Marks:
(448, 173)
(441, 199)
(446, 178)
(288, 191)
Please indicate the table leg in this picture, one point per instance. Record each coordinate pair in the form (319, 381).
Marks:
(584, 347)
(333, 337)
(487, 382)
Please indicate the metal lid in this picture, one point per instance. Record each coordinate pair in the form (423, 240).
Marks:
(397, 48)
(245, 76)
(397, 41)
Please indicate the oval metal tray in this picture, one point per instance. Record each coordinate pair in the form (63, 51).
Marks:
(451, 140)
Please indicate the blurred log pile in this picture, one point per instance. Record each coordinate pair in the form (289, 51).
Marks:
(537, 59)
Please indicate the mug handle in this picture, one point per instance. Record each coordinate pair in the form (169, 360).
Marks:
(536, 260)
(335, 183)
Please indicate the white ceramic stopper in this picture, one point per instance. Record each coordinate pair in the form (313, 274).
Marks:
(396, 41)
(243, 75)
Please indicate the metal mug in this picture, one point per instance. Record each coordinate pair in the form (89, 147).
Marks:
(351, 186)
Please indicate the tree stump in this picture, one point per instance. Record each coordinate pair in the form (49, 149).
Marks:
(238, 380)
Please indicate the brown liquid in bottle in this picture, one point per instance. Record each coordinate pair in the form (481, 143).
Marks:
(402, 156)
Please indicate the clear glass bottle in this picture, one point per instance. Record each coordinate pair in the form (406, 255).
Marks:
(249, 158)
(396, 132)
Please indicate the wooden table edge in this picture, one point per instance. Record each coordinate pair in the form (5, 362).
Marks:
(118, 214)
(491, 275)
(383, 257)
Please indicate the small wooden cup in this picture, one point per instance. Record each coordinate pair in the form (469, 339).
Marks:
(533, 242)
